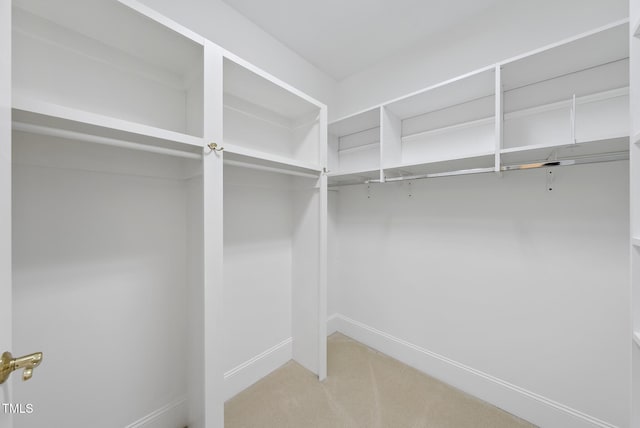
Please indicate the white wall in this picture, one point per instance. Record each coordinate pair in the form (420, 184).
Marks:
(502, 276)
(100, 286)
(223, 25)
(507, 29)
(258, 211)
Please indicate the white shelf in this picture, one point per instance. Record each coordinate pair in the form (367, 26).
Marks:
(472, 87)
(254, 157)
(354, 143)
(604, 46)
(471, 161)
(34, 112)
(262, 116)
(353, 177)
(539, 153)
(355, 124)
(79, 61)
(636, 337)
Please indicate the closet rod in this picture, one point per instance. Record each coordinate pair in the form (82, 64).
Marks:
(608, 157)
(270, 169)
(78, 136)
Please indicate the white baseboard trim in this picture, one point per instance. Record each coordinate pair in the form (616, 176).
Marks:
(246, 374)
(172, 414)
(528, 405)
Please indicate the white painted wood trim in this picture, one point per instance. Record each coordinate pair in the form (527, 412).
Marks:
(566, 41)
(322, 277)
(84, 117)
(519, 149)
(163, 20)
(257, 117)
(532, 147)
(232, 148)
(586, 99)
(95, 139)
(360, 148)
(161, 413)
(213, 251)
(437, 160)
(499, 117)
(249, 372)
(270, 77)
(418, 92)
(490, 67)
(332, 324)
(446, 129)
(342, 173)
(519, 401)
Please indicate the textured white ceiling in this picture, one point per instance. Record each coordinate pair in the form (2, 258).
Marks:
(342, 37)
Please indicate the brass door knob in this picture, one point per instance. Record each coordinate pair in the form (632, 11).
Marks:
(8, 365)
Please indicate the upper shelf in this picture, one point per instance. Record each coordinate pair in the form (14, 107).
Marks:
(265, 117)
(43, 114)
(474, 86)
(108, 59)
(354, 143)
(602, 47)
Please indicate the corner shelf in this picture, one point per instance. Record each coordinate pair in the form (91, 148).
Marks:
(354, 143)
(243, 157)
(352, 177)
(264, 117)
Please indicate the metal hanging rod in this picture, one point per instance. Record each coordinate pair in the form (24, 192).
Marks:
(607, 157)
(88, 138)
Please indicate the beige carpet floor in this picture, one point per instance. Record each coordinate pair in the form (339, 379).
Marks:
(364, 388)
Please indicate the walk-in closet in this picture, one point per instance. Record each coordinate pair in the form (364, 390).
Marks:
(302, 214)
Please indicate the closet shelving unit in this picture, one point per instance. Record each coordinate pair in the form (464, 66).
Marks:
(275, 203)
(120, 206)
(445, 127)
(269, 121)
(563, 104)
(569, 100)
(354, 148)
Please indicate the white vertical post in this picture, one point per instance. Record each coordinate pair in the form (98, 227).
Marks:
(213, 239)
(322, 280)
(323, 263)
(499, 112)
(390, 140)
(383, 141)
(5, 197)
(573, 119)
